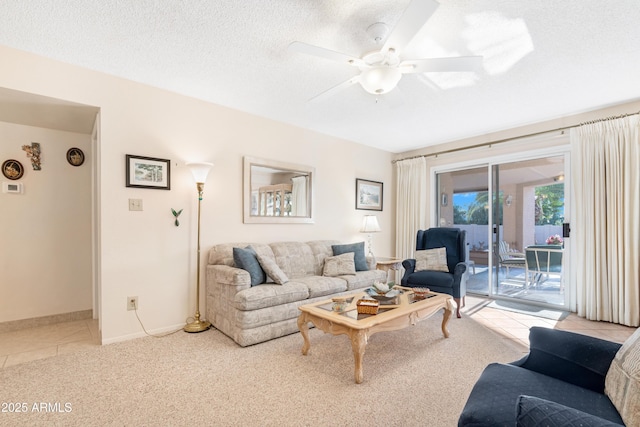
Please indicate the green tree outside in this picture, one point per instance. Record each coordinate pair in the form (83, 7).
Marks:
(549, 204)
(549, 207)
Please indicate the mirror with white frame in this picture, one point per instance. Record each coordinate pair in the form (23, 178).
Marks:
(277, 192)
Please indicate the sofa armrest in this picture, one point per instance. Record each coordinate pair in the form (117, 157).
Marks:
(227, 275)
(570, 357)
(371, 262)
(536, 412)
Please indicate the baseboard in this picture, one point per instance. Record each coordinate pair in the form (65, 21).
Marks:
(141, 334)
(16, 325)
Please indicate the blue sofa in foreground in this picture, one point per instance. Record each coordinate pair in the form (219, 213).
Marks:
(561, 382)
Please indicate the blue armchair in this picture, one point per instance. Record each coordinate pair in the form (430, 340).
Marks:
(559, 383)
(452, 282)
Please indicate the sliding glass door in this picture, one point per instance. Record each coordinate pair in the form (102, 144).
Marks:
(513, 213)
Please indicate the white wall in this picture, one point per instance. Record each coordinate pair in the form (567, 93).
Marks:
(143, 253)
(45, 255)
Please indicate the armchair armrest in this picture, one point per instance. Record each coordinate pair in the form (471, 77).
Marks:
(533, 411)
(459, 270)
(570, 357)
(409, 266)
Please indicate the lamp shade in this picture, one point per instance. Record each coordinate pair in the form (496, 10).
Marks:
(200, 170)
(370, 224)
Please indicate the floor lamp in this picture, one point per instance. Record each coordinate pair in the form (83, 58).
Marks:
(200, 172)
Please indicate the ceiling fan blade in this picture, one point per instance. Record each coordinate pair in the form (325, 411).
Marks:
(334, 90)
(321, 52)
(435, 65)
(412, 20)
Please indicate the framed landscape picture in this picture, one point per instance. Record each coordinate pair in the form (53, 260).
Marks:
(148, 172)
(368, 195)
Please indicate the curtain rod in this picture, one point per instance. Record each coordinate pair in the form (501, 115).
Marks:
(621, 116)
(483, 144)
(500, 141)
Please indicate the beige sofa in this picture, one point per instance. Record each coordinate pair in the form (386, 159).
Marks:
(252, 314)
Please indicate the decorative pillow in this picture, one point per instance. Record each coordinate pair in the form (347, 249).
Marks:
(358, 254)
(535, 412)
(339, 265)
(622, 383)
(271, 268)
(432, 259)
(246, 259)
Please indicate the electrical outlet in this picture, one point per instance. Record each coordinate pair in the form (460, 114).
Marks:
(132, 303)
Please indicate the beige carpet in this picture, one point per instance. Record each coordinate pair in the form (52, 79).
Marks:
(413, 377)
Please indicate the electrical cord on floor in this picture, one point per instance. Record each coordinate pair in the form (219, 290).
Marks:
(145, 331)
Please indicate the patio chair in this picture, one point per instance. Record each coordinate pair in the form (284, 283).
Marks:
(543, 261)
(508, 257)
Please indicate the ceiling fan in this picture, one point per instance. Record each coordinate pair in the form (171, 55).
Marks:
(380, 71)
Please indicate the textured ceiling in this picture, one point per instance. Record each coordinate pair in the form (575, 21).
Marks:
(542, 59)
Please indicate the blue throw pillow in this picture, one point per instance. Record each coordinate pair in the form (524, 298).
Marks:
(535, 412)
(246, 259)
(358, 254)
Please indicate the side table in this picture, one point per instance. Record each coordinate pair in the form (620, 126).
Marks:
(388, 264)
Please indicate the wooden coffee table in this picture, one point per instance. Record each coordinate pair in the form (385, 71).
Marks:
(405, 310)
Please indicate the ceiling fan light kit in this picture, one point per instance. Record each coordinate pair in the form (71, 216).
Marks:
(380, 79)
(380, 71)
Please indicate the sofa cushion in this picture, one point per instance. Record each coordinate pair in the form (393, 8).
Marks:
(435, 279)
(270, 295)
(358, 251)
(222, 254)
(294, 258)
(432, 259)
(492, 401)
(321, 249)
(339, 265)
(364, 279)
(320, 286)
(622, 383)
(273, 271)
(535, 412)
(246, 259)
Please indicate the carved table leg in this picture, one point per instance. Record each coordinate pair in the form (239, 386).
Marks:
(358, 344)
(304, 331)
(448, 310)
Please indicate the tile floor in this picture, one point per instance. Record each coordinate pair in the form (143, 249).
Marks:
(515, 326)
(47, 341)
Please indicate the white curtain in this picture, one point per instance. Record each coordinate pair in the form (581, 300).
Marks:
(411, 204)
(606, 229)
(299, 196)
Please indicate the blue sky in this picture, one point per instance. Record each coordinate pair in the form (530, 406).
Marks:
(463, 200)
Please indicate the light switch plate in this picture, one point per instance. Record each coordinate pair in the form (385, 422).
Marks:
(135, 204)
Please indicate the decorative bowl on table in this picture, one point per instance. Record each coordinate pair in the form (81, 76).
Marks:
(383, 291)
(420, 293)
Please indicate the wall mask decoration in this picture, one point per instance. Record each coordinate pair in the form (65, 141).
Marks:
(12, 169)
(33, 152)
(75, 156)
